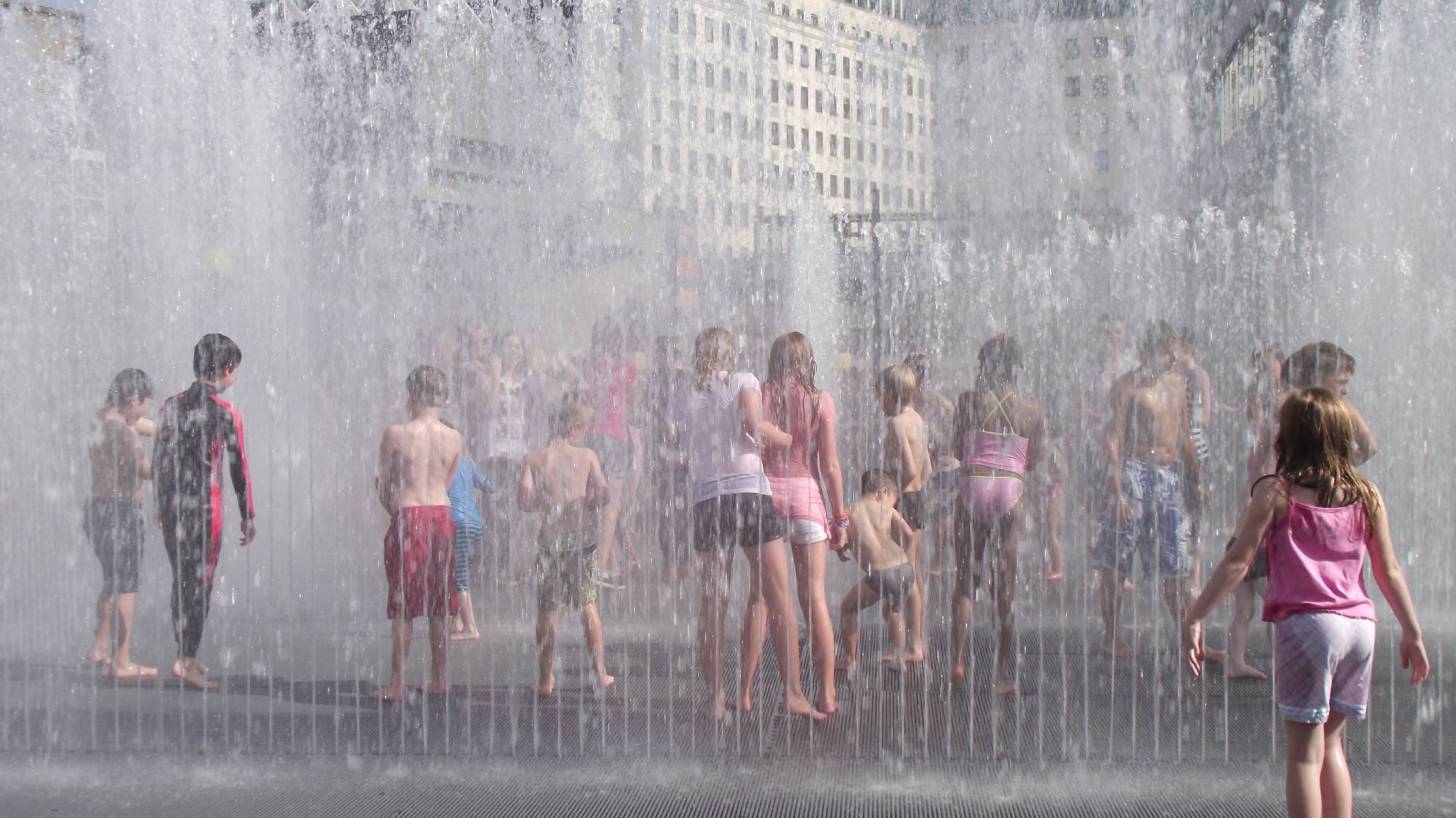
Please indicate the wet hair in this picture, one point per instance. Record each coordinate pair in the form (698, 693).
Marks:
(574, 409)
(215, 354)
(1315, 448)
(899, 385)
(126, 385)
(1313, 361)
(999, 360)
(791, 364)
(1158, 337)
(919, 361)
(875, 480)
(427, 386)
(713, 352)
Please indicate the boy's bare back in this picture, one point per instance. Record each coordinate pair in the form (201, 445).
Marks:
(417, 462)
(873, 527)
(907, 450)
(564, 482)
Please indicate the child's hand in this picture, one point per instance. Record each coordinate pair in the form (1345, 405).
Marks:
(1193, 647)
(249, 531)
(1413, 656)
(1121, 508)
(842, 553)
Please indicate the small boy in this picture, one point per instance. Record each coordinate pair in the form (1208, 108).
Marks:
(907, 459)
(468, 484)
(874, 528)
(417, 462)
(563, 480)
(195, 428)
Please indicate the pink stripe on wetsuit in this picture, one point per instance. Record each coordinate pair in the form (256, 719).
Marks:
(988, 497)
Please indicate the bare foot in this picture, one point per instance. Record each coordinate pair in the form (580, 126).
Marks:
(465, 636)
(192, 677)
(896, 664)
(828, 705)
(132, 670)
(99, 658)
(1004, 688)
(916, 657)
(799, 706)
(1119, 648)
(1052, 576)
(744, 703)
(605, 681)
(1211, 655)
(441, 689)
(1127, 585)
(393, 693)
(1244, 670)
(846, 666)
(958, 677)
(547, 686)
(716, 708)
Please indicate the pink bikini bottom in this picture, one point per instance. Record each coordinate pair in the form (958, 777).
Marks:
(988, 498)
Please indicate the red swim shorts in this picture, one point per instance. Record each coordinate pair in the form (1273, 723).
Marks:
(419, 552)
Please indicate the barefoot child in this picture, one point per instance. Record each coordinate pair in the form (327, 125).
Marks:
(114, 521)
(876, 532)
(563, 480)
(1316, 519)
(417, 462)
(907, 457)
(194, 430)
(468, 484)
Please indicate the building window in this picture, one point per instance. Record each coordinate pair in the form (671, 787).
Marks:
(858, 111)
(859, 70)
(789, 51)
(692, 117)
(708, 29)
(1072, 87)
(672, 21)
(692, 70)
(803, 54)
(1070, 49)
(833, 65)
(710, 122)
(804, 97)
(814, 20)
(920, 86)
(818, 102)
(833, 185)
(874, 153)
(773, 90)
(742, 39)
(789, 131)
(743, 127)
(804, 139)
(773, 133)
(819, 183)
(727, 34)
(909, 123)
(657, 157)
(885, 116)
(819, 142)
(656, 109)
(1103, 160)
(1132, 120)
(859, 150)
(1099, 85)
(672, 70)
(818, 60)
(789, 94)
(834, 145)
(1099, 47)
(708, 76)
(909, 86)
(727, 79)
(773, 48)
(846, 68)
(674, 160)
(1129, 85)
(1129, 46)
(1099, 119)
(1074, 124)
(726, 124)
(692, 163)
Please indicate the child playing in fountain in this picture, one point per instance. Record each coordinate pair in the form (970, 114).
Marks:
(564, 481)
(468, 484)
(1316, 520)
(876, 534)
(417, 462)
(907, 458)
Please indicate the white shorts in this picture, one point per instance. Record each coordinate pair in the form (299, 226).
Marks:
(806, 532)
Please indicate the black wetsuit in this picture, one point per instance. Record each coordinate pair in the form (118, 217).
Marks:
(193, 430)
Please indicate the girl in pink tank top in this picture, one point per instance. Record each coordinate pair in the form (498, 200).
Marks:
(1317, 519)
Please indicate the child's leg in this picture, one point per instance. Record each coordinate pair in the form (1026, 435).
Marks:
(896, 624)
(607, 542)
(1109, 593)
(713, 575)
(125, 614)
(1336, 796)
(1009, 530)
(545, 650)
(914, 602)
(401, 630)
(769, 565)
(809, 573)
(755, 628)
(1303, 765)
(439, 637)
(1055, 510)
(591, 623)
(1238, 634)
(861, 596)
(964, 598)
(101, 646)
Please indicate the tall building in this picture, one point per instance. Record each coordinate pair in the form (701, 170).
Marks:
(751, 110)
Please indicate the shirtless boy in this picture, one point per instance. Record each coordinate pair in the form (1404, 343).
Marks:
(875, 533)
(564, 481)
(907, 458)
(417, 462)
(1152, 479)
(115, 522)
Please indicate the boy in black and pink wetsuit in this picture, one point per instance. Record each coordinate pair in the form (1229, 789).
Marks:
(195, 429)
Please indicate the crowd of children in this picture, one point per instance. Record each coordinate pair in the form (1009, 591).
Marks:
(731, 463)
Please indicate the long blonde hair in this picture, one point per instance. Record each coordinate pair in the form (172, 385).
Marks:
(791, 364)
(713, 352)
(1315, 449)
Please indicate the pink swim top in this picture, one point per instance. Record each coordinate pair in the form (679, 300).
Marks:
(1316, 559)
(997, 450)
(793, 472)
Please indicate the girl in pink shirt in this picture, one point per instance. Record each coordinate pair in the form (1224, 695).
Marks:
(793, 404)
(1317, 519)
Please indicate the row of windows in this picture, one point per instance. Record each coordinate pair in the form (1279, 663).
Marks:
(722, 32)
(740, 214)
(1101, 121)
(711, 166)
(722, 78)
(1101, 47)
(914, 86)
(1101, 85)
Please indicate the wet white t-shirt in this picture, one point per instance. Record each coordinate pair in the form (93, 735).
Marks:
(722, 458)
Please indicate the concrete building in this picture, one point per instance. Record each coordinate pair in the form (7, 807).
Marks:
(750, 110)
